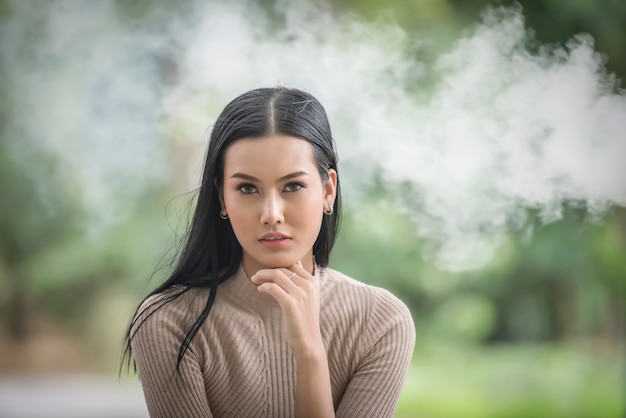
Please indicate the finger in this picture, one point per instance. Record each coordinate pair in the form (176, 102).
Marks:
(285, 301)
(277, 276)
(300, 271)
(304, 281)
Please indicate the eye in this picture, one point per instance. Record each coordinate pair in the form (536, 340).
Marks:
(293, 187)
(247, 188)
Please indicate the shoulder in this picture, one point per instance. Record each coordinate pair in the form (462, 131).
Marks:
(174, 301)
(171, 311)
(377, 309)
(336, 285)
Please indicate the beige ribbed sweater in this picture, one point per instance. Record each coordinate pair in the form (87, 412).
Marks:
(239, 364)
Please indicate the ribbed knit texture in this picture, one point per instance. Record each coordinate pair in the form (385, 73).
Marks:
(239, 364)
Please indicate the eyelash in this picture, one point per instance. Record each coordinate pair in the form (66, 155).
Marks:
(242, 188)
(297, 185)
(289, 188)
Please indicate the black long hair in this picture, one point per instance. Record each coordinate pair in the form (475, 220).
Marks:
(210, 252)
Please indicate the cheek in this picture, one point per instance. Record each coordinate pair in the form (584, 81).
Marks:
(232, 201)
(237, 213)
(310, 212)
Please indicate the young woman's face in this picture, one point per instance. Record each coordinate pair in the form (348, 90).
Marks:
(275, 200)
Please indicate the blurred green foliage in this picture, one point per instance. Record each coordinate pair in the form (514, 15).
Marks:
(511, 381)
(553, 21)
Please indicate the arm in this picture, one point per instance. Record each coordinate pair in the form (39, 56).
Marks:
(375, 387)
(313, 390)
(155, 348)
(298, 297)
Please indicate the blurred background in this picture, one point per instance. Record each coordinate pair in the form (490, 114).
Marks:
(518, 297)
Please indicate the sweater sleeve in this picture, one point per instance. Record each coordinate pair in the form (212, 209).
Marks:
(158, 334)
(375, 386)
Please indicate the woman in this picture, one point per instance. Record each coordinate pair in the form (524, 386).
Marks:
(251, 322)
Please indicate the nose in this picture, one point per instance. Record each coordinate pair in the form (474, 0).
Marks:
(272, 211)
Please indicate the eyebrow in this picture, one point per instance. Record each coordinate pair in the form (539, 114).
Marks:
(283, 178)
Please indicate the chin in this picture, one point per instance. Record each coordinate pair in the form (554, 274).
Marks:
(283, 263)
(279, 261)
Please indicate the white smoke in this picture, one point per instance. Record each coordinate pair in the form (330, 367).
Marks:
(467, 142)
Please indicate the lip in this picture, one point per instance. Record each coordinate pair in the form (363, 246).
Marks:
(274, 235)
(274, 240)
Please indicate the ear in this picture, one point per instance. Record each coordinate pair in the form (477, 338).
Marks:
(220, 194)
(330, 189)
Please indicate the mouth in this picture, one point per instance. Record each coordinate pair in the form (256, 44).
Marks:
(272, 236)
(274, 240)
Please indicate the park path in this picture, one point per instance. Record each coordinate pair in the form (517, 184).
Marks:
(70, 396)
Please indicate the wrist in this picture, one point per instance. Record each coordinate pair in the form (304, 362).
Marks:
(315, 353)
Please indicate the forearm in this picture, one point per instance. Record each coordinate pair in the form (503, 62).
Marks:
(297, 292)
(313, 391)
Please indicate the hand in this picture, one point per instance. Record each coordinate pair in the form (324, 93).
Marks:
(299, 300)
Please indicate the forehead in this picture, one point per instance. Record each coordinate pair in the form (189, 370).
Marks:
(271, 154)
